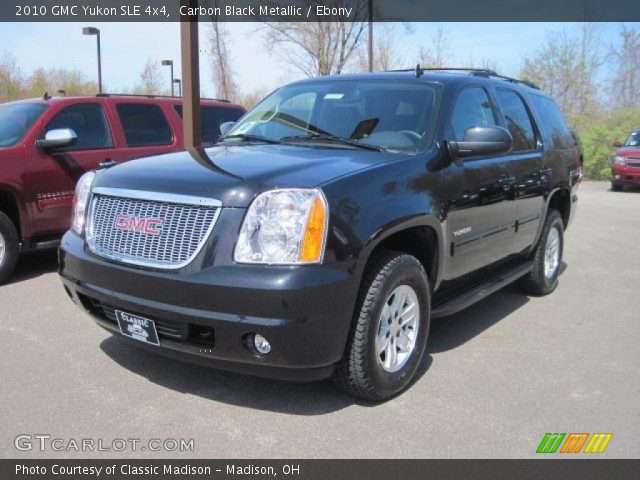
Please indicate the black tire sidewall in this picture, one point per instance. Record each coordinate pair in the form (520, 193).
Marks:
(8, 232)
(555, 221)
(407, 272)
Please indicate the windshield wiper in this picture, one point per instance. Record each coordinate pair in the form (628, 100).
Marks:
(331, 139)
(250, 138)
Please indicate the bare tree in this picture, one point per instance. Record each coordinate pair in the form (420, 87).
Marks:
(625, 87)
(319, 48)
(437, 53)
(387, 54)
(151, 79)
(10, 78)
(223, 74)
(73, 82)
(567, 67)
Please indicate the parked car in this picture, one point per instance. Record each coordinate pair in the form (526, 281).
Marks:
(625, 166)
(47, 144)
(330, 225)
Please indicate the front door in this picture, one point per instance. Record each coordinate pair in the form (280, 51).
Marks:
(480, 208)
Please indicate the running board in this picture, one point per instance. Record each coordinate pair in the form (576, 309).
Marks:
(46, 245)
(464, 300)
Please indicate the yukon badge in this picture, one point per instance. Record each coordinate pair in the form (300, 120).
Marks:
(131, 223)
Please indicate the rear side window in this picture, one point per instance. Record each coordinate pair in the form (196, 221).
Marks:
(517, 120)
(87, 120)
(473, 108)
(144, 124)
(552, 125)
(211, 119)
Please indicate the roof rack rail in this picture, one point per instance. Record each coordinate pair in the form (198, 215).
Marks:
(154, 96)
(478, 72)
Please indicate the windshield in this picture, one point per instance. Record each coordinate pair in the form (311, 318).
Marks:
(16, 120)
(633, 140)
(393, 115)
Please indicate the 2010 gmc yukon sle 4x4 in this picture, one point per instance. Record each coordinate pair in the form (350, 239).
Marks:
(47, 143)
(329, 225)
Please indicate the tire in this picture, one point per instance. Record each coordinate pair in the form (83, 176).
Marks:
(542, 281)
(366, 371)
(616, 187)
(9, 249)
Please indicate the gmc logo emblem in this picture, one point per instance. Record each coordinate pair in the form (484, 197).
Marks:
(130, 223)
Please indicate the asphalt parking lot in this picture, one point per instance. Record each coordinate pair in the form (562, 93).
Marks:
(497, 377)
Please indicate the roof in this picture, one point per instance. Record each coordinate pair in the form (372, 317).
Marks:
(154, 98)
(444, 76)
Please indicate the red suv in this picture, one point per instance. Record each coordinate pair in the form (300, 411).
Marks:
(625, 167)
(47, 144)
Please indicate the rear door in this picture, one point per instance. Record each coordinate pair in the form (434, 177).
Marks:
(524, 166)
(143, 129)
(480, 207)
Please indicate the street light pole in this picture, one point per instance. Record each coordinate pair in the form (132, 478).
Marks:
(96, 31)
(370, 39)
(169, 63)
(178, 82)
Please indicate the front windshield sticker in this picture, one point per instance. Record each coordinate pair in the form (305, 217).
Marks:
(333, 96)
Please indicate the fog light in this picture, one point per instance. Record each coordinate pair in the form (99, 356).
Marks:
(261, 344)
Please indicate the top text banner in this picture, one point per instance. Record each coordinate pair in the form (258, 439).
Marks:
(320, 10)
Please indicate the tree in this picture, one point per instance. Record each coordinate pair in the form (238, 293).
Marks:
(10, 78)
(223, 74)
(319, 48)
(625, 87)
(567, 67)
(387, 54)
(73, 82)
(437, 54)
(151, 79)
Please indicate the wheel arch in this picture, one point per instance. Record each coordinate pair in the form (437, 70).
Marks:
(411, 235)
(10, 207)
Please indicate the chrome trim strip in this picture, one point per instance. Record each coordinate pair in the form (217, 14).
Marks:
(151, 196)
(157, 196)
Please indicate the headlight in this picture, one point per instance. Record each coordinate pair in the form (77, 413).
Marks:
(81, 201)
(284, 227)
(618, 160)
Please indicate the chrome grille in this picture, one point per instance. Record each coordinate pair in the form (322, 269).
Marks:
(633, 162)
(186, 223)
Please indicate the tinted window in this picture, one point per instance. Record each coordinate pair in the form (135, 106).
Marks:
(633, 140)
(144, 124)
(16, 120)
(472, 108)
(89, 123)
(553, 127)
(517, 120)
(212, 118)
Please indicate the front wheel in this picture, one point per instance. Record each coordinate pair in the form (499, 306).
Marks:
(9, 250)
(616, 187)
(547, 258)
(389, 332)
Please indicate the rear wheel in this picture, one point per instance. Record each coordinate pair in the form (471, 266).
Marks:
(389, 333)
(9, 250)
(543, 279)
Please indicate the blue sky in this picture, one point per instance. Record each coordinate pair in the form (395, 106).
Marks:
(127, 46)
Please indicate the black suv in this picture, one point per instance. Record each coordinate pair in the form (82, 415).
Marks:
(329, 225)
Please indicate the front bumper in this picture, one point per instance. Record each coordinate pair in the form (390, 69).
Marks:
(624, 175)
(305, 312)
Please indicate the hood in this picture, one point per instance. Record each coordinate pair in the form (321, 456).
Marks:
(628, 152)
(236, 174)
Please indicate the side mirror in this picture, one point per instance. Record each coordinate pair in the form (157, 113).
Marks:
(225, 127)
(617, 144)
(55, 139)
(482, 141)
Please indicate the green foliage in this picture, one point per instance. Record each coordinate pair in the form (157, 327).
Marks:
(597, 137)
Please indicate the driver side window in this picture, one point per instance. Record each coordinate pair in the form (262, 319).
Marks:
(87, 120)
(473, 108)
